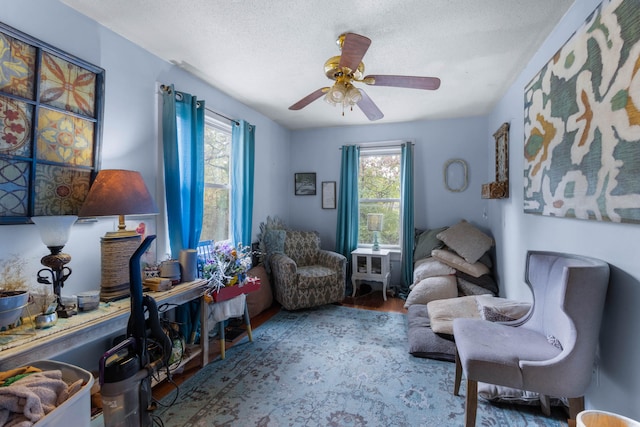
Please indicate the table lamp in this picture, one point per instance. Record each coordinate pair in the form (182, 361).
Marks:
(117, 192)
(54, 233)
(374, 223)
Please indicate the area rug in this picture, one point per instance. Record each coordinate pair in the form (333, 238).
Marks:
(331, 366)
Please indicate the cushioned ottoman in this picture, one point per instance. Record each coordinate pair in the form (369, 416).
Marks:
(423, 342)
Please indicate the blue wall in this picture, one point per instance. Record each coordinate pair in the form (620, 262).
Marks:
(616, 385)
(132, 136)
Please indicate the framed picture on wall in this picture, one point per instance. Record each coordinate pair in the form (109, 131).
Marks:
(328, 195)
(305, 184)
(51, 110)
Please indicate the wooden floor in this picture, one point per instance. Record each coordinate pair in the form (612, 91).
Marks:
(369, 301)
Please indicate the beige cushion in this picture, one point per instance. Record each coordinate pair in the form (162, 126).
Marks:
(442, 312)
(476, 269)
(468, 242)
(500, 309)
(429, 267)
(432, 288)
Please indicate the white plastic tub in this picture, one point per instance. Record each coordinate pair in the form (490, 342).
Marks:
(594, 418)
(75, 411)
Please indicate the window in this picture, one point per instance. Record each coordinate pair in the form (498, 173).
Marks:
(217, 181)
(379, 192)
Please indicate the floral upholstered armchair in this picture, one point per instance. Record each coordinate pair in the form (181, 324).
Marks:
(303, 274)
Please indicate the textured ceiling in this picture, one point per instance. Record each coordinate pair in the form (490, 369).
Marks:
(269, 54)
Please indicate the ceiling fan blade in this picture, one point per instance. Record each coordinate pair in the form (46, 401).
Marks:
(368, 107)
(309, 99)
(412, 82)
(353, 49)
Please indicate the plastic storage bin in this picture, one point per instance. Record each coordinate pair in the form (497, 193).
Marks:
(75, 411)
(595, 418)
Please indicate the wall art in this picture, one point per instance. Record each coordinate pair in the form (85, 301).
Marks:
(582, 122)
(328, 194)
(51, 108)
(305, 184)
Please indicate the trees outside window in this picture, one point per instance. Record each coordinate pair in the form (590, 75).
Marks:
(217, 181)
(379, 192)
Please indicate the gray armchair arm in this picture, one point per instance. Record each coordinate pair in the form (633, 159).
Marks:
(332, 260)
(284, 269)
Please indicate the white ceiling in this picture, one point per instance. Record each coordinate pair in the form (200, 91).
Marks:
(269, 54)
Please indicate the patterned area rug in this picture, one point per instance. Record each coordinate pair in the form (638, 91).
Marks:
(331, 366)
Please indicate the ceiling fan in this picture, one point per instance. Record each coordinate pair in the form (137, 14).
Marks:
(348, 68)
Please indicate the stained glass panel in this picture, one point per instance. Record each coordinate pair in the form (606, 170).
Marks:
(51, 110)
(14, 188)
(60, 190)
(17, 65)
(63, 138)
(67, 86)
(15, 127)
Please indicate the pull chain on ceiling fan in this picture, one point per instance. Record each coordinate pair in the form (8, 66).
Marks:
(348, 68)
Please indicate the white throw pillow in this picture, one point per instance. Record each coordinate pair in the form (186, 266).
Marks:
(468, 242)
(432, 288)
(476, 269)
(429, 267)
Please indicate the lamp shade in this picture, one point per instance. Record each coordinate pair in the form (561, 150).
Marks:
(118, 192)
(54, 230)
(374, 222)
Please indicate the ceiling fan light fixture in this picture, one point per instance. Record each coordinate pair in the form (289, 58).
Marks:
(353, 96)
(338, 92)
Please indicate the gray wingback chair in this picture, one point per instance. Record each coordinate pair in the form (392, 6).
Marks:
(306, 276)
(552, 350)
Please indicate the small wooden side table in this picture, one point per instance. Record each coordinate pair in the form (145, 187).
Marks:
(228, 293)
(371, 265)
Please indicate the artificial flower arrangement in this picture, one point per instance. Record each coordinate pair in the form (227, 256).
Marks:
(227, 267)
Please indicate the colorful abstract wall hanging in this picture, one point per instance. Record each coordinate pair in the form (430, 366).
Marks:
(582, 122)
(51, 107)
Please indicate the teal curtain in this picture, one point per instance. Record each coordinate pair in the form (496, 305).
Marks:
(406, 183)
(347, 227)
(243, 157)
(183, 147)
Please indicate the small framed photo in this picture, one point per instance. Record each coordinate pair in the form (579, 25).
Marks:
(328, 194)
(305, 184)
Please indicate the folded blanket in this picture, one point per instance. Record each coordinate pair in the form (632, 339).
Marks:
(224, 310)
(29, 399)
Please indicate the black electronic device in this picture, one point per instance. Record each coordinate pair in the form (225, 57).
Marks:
(127, 368)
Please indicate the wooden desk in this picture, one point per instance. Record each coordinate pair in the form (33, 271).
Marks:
(26, 344)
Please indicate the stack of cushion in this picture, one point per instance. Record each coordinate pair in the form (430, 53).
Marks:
(449, 262)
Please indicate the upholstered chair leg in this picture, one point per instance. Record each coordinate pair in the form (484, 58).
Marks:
(576, 405)
(545, 403)
(456, 385)
(471, 404)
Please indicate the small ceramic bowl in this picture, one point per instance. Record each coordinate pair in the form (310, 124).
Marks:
(46, 320)
(88, 301)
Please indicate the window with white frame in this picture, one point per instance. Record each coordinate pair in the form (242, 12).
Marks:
(379, 193)
(217, 181)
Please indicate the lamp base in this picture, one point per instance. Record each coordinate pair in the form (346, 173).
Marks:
(116, 252)
(376, 245)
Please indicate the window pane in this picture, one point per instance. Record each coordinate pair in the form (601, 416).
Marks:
(217, 158)
(216, 214)
(379, 192)
(390, 234)
(217, 151)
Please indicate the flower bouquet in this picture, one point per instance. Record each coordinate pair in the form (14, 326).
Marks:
(227, 268)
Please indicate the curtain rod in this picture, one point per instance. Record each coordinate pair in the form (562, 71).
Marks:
(166, 88)
(379, 146)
